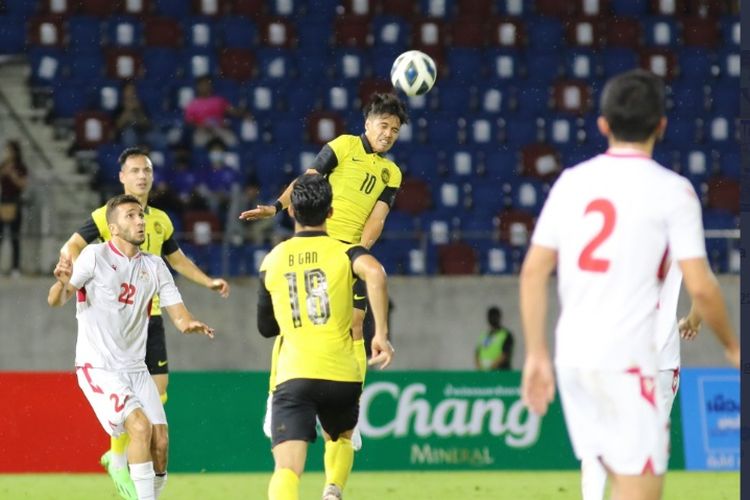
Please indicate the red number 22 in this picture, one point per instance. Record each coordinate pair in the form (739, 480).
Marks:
(126, 293)
(587, 261)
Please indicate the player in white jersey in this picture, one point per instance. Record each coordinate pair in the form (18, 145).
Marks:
(668, 333)
(115, 284)
(606, 226)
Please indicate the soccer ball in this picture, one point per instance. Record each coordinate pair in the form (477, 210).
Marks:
(413, 73)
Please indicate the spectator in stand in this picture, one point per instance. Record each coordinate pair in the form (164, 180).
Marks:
(132, 124)
(220, 182)
(207, 113)
(13, 181)
(495, 349)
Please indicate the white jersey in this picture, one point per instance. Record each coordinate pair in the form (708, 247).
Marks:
(667, 338)
(611, 219)
(113, 304)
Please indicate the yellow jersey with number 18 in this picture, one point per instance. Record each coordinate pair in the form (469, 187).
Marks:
(310, 278)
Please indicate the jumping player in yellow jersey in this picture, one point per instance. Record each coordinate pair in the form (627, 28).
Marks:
(364, 185)
(137, 177)
(305, 297)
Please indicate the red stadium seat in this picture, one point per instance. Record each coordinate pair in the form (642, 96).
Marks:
(477, 10)
(213, 8)
(624, 32)
(662, 62)
(414, 197)
(136, 7)
(469, 33)
(700, 32)
(92, 129)
(708, 8)
(123, 64)
(162, 32)
(507, 32)
(555, 8)
(723, 194)
(360, 7)
(202, 226)
(237, 64)
(352, 31)
(516, 227)
(100, 8)
(572, 96)
(588, 32)
(55, 7)
(457, 258)
(540, 161)
(369, 86)
(592, 7)
(47, 31)
(324, 126)
(668, 7)
(407, 10)
(428, 32)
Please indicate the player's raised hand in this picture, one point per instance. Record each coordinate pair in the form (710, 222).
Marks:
(195, 326)
(220, 285)
(538, 384)
(259, 212)
(688, 329)
(63, 269)
(382, 353)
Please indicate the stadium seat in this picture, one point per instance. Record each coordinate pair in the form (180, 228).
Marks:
(441, 9)
(162, 64)
(237, 64)
(162, 32)
(561, 130)
(723, 194)
(92, 128)
(399, 8)
(518, 8)
(84, 34)
(730, 164)
(123, 63)
(201, 226)
(660, 31)
(124, 32)
(87, 67)
(507, 32)
(210, 8)
(516, 133)
(554, 8)
(464, 64)
(618, 59)
(369, 86)
(516, 227)
(350, 64)
(200, 33)
(542, 68)
(457, 258)
(476, 9)
(681, 131)
(572, 96)
(581, 65)
(662, 62)
(392, 31)
(70, 98)
(634, 8)
(725, 98)
(46, 31)
(277, 32)
(492, 99)
(686, 99)
(540, 160)
(502, 165)
(668, 7)
(495, 258)
(414, 197)
(586, 32)
(250, 9)
(505, 65)
(700, 32)
(624, 32)
(275, 64)
(730, 27)
(238, 32)
(720, 130)
(730, 65)
(324, 126)
(352, 31)
(533, 101)
(469, 33)
(592, 7)
(455, 96)
(363, 8)
(135, 7)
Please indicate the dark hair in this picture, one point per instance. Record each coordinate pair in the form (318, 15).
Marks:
(633, 105)
(311, 199)
(15, 146)
(130, 152)
(116, 201)
(386, 104)
(494, 316)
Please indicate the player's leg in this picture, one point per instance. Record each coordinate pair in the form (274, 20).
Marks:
(338, 410)
(593, 479)
(641, 487)
(149, 397)
(159, 452)
(669, 383)
(292, 427)
(140, 460)
(271, 386)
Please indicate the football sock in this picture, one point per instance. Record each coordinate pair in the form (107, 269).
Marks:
(118, 446)
(360, 354)
(284, 485)
(143, 479)
(163, 398)
(593, 479)
(338, 460)
(160, 480)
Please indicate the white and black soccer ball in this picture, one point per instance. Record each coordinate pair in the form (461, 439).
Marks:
(413, 73)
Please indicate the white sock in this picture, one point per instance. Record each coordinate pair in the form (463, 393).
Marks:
(160, 480)
(143, 479)
(118, 460)
(593, 479)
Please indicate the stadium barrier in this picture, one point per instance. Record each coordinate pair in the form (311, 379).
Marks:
(410, 421)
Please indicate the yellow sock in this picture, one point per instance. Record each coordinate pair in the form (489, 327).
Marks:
(163, 398)
(119, 444)
(284, 485)
(338, 460)
(360, 354)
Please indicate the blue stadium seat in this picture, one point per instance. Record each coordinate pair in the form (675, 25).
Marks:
(46, 65)
(483, 130)
(69, 98)
(153, 97)
(616, 60)
(725, 98)
(178, 9)
(505, 65)
(681, 131)
(532, 101)
(275, 64)
(302, 99)
(88, 67)
(12, 35)
(730, 163)
(238, 32)
(518, 133)
(528, 194)
(730, 64)
(287, 129)
(495, 258)
(124, 32)
(391, 31)
(350, 64)
(582, 64)
(493, 98)
(660, 31)
(720, 130)
(162, 64)
(630, 8)
(545, 35)
(560, 130)
(84, 34)
(502, 165)
(464, 64)
(695, 64)
(200, 32)
(730, 29)
(513, 7)
(487, 200)
(454, 97)
(314, 35)
(686, 99)
(343, 98)
(20, 8)
(542, 68)
(228, 89)
(197, 62)
(444, 9)
(442, 129)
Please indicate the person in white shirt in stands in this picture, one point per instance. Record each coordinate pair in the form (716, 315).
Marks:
(606, 226)
(668, 334)
(115, 284)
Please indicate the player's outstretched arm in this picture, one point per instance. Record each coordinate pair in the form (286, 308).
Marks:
(367, 268)
(538, 380)
(61, 291)
(374, 224)
(266, 211)
(73, 247)
(185, 322)
(187, 268)
(708, 301)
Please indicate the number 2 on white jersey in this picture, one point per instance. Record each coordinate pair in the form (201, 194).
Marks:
(587, 261)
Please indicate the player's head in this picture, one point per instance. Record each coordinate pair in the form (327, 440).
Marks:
(384, 115)
(311, 200)
(136, 172)
(125, 219)
(495, 317)
(632, 107)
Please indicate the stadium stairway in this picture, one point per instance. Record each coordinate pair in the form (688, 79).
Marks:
(59, 198)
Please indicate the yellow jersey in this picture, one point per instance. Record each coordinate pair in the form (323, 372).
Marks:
(359, 178)
(159, 236)
(309, 279)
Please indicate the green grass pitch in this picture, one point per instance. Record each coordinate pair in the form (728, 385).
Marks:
(365, 486)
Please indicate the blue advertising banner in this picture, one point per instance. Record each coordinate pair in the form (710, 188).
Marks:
(710, 399)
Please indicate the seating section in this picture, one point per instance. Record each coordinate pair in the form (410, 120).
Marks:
(514, 104)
